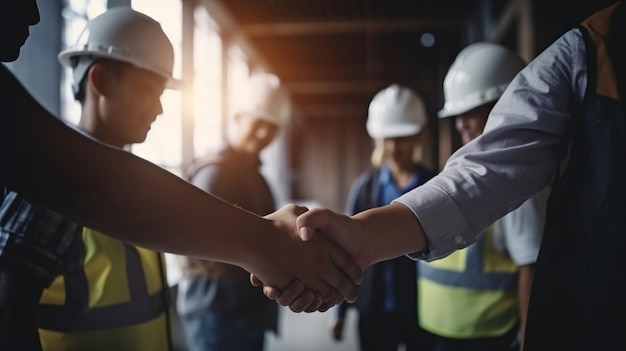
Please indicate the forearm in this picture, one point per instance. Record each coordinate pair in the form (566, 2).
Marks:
(126, 197)
(390, 231)
(117, 193)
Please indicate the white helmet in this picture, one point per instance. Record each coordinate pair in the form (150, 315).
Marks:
(263, 97)
(479, 75)
(396, 112)
(125, 35)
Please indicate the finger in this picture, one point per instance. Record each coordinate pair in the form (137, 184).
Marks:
(315, 219)
(352, 272)
(315, 305)
(348, 266)
(271, 292)
(305, 233)
(287, 295)
(303, 301)
(330, 303)
(331, 298)
(255, 281)
(346, 289)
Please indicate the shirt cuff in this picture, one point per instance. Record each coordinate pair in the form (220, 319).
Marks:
(441, 220)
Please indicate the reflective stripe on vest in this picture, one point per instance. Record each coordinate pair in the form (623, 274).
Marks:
(118, 286)
(469, 294)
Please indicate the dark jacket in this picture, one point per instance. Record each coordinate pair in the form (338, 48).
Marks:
(219, 288)
(365, 193)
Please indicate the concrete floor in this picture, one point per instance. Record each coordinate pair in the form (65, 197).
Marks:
(310, 332)
(300, 332)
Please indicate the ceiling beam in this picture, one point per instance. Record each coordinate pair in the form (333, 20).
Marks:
(348, 27)
(331, 87)
(332, 110)
(346, 87)
(517, 16)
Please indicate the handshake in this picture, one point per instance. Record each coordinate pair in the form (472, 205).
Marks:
(313, 260)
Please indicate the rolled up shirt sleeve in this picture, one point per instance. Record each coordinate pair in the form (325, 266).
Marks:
(525, 140)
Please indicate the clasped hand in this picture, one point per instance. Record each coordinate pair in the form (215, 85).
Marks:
(332, 272)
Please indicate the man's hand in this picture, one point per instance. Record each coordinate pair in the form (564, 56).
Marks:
(344, 230)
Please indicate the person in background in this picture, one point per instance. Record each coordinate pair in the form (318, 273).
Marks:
(219, 309)
(119, 93)
(476, 299)
(561, 119)
(54, 166)
(387, 303)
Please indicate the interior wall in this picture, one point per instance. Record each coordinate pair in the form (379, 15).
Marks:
(330, 154)
(37, 68)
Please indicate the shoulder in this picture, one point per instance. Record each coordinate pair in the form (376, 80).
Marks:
(563, 62)
(210, 161)
(367, 177)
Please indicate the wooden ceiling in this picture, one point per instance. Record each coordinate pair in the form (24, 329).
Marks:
(334, 55)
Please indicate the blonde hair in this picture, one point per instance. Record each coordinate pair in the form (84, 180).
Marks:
(378, 153)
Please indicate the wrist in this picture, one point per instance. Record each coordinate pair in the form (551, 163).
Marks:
(390, 231)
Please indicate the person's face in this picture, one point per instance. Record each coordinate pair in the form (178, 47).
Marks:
(471, 124)
(400, 150)
(131, 103)
(16, 16)
(256, 133)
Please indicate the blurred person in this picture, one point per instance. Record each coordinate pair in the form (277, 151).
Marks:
(220, 310)
(476, 299)
(561, 119)
(53, 166)
(387, 303)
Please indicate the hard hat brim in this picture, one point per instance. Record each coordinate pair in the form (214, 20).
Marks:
(397, 131)
(65, 58)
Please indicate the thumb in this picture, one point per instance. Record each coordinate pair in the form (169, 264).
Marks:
(312, 220)
(255, 281)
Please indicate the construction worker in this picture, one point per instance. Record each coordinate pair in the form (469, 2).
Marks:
(477, 298)
(387, 303)
(115, 295)
(218, 307)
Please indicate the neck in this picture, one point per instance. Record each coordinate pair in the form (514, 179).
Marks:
(89, 123)
(401, 173)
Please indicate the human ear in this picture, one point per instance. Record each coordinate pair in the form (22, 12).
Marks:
(97, 80)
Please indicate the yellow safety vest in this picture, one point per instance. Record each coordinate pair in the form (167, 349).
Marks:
(117, 301)
(470, 294)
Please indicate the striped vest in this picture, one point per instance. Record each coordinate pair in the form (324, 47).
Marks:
(117, 301)
(471, 293)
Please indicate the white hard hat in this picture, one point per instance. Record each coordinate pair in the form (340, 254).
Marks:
(125, 35)
(479, 75)
(396, 112)
(263, 97)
